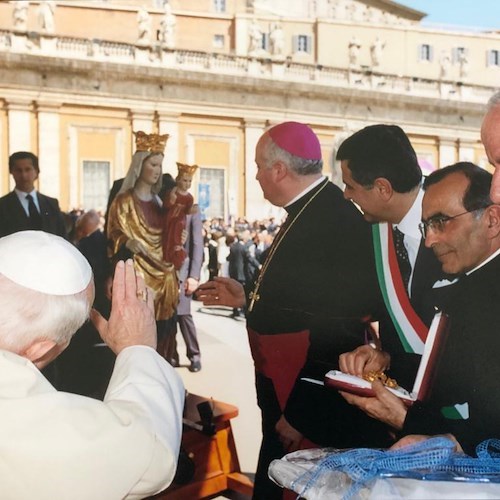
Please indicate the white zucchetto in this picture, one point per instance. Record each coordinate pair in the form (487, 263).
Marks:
(44, 262)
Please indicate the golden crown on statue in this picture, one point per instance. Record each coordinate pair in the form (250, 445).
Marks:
(186, 169)
(154, 143)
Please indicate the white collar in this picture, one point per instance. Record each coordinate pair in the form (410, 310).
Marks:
(488, 259)
(306, 190)
(409, 223)
(23, 194)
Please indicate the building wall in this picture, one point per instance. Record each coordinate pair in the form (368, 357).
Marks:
(74, 99)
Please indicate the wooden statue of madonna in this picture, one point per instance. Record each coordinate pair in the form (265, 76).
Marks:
(135, 225)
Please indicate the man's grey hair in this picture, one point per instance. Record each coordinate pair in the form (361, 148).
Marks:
(299, 165)
(494, 101)
(28, 315)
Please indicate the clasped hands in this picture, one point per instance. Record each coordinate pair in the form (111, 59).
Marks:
(385, 406)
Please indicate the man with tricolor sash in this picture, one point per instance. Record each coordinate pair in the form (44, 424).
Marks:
(462, 226)
(382, 176)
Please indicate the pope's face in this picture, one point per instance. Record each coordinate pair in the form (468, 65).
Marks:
(462, 243)
(490, 136)
(151, 169)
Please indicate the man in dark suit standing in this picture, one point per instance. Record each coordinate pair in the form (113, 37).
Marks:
(382, 176)
(236, 259)
(25, 208)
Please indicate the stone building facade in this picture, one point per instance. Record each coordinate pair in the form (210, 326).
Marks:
(78, 77)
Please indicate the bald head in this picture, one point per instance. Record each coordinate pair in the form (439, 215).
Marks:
(87, 224)
(490, 136)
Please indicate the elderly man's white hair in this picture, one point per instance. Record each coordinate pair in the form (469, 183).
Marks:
(46, 290)
(494, 101)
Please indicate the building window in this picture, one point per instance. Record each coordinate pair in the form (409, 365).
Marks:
(211, 192)
(218, 42)
(493, 58)
(425, 52)
(458, 54)
(302, 43)
(265, 41)
(95, 184)
(220, 5)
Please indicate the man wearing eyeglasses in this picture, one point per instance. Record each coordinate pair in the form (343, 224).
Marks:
(462, 227)
(382, 176)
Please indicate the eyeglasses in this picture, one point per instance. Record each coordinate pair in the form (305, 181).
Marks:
(438, 223)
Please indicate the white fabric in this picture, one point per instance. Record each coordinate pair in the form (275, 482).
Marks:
(409, 227)
(491, 257)
(293, 472)
(55, 445)
(44, 262)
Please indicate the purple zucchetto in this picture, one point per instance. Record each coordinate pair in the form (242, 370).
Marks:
(297, 139)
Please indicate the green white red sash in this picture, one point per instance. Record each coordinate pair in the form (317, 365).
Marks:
(411, 330)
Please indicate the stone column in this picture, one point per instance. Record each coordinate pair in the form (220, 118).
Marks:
(169, 124)
(241, 34)
(19, 119)
(255, 205)
(49, 149)
(447, 152)
(142, 120)
(466, 151)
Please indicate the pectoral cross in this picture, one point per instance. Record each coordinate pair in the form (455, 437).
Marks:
(254, 297)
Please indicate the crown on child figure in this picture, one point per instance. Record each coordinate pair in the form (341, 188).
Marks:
(154, 143)
(186, 169)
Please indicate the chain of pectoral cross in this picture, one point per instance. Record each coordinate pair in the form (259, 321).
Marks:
(254, 295)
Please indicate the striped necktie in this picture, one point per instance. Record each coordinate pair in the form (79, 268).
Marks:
(402, 256)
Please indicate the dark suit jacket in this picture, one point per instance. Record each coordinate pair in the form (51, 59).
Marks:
(236, 259)
(13, 218)
(468, 370)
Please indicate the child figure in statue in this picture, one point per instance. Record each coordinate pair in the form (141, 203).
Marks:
(177, 204)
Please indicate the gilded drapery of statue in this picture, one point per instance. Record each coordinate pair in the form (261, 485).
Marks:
(127, 222)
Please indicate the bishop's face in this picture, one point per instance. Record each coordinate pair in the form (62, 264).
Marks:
(265, 174)
(151, 169)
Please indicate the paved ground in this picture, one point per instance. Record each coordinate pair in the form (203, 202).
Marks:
(227, 375)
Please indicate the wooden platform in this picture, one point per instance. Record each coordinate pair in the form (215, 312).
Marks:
(217, 468)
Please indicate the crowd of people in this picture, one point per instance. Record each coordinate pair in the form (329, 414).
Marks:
(331, 286)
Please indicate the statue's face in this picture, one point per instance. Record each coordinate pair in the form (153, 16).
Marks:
(151, 169)
(184, 182)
